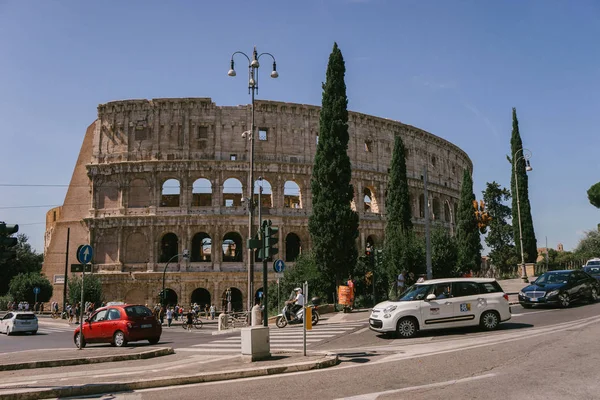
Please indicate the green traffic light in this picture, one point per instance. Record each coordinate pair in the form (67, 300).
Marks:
(271, 239)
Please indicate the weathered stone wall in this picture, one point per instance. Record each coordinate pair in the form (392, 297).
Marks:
(139, 149)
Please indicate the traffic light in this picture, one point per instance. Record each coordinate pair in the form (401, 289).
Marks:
(271, 240)
(7, 242)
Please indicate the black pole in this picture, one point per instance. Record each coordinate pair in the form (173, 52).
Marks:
(162, 294)
(265, 302)
(66, 271)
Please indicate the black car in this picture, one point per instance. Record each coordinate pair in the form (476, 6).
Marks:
(593, 271)
(560, 288)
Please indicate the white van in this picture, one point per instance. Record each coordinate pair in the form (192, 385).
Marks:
(443, 303)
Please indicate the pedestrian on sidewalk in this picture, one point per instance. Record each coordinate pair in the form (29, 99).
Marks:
(190, 319)
(169, 317)
(212, 311)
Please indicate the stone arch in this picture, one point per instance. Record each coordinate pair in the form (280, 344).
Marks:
(170, 297)
(169, 247)
(232, 247)
(201, 297)
(108, 195)
(136, 248)
(232, 193)
(447, 215)
(135, 296)
(293, 247)
(292, 196)
(372, 241)
(201, 247)
(201, 193)
(171, 191)
(266, 197)
(370, 200)
(437, 209)
(106, 247)
(235, 297)
(139, 194)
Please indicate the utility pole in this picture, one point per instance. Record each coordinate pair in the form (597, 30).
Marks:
(427, 233)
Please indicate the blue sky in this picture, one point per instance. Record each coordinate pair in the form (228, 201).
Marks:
(453, 68)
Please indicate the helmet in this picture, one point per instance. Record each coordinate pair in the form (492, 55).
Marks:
(298, 290)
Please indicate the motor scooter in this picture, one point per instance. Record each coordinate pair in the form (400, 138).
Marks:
(288, 317)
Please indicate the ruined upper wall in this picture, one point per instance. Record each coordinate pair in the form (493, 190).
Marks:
(197, 129)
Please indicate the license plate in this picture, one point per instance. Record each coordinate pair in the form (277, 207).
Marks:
(533, 299)
(147, 326)
(25, 323)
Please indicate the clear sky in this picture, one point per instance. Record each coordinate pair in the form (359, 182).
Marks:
(453, 68)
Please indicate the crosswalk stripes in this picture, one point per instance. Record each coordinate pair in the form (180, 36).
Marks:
(286, 338)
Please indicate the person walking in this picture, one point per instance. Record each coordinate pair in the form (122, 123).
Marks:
(212, 311)
(169, 317)
(190, 319)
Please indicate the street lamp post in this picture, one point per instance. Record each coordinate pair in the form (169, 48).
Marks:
(525, 155)
(253, 66)
(185, 256)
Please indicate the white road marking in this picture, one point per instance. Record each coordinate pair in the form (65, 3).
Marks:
(373, 396)
(534, 312)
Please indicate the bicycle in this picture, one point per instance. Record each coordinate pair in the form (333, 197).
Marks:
(196, 323)
(55, 315)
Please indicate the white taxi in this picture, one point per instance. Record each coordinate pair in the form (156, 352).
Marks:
(443, 303)
(19, 321)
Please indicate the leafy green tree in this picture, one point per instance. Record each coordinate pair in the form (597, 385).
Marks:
(27, 261)
(333, 225)
(500, 235)
(589, 246)
(467, 230)
(594, 195)
(92, 289)
(529, 241)
(444, 253)
(21, 287)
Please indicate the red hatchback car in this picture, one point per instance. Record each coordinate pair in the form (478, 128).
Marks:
(119, 324)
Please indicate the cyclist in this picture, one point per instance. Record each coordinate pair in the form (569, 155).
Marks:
(190, 319)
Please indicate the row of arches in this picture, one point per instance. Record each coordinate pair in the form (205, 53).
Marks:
(231, 299)
(232, 248)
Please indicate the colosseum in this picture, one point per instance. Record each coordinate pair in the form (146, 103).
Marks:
(157, 177)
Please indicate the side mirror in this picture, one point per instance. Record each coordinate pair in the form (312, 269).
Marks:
(430, 297)
(86, 320)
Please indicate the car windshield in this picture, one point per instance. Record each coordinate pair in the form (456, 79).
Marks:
(592, 270)
(553, 278)
(138, 311)
(593, 263)
(25, 316)
(415, 292)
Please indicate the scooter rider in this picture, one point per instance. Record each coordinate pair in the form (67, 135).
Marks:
(297, 304)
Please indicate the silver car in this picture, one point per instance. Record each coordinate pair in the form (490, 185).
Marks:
(19, 321)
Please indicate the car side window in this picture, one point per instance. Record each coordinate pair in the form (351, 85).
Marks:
(465, 289)
(113, 314)
(8, 316)
(99, 316)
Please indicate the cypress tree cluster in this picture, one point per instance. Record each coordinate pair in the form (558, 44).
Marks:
(529, 241)
(467, 229)
(333, 225)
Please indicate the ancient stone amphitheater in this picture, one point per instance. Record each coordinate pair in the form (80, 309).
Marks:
(157, 177)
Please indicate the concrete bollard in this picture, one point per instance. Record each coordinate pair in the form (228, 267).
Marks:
(256, 320)
(222, 321)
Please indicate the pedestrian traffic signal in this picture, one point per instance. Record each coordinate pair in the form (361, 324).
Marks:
(7, 242)
(271, 240)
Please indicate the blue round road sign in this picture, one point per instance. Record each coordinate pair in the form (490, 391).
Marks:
(36, 290)
(85, 253)
(278, 265)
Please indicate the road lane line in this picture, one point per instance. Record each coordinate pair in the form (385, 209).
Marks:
(373, 396)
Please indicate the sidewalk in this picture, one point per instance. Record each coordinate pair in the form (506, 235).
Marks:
(169, 369)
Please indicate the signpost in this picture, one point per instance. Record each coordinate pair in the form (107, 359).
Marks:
(84, 256)
(278, 266)
(36, 291)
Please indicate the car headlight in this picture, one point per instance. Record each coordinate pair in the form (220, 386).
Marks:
(389, 309)
(387, 315)
(552, 293)
(521, 293)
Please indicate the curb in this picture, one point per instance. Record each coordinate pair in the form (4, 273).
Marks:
(92, 389)
(87, 360)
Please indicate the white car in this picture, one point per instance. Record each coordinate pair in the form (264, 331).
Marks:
(19, 321)
(443, 303)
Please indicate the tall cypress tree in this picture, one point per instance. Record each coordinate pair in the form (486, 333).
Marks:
(467, 230)
(333, 225)
(398, 227)
(529, 241)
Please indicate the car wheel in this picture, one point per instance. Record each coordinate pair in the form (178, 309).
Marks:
(119, 339)
(153, 340)
(593, 295)
(489, 320)
(526, 305)
(76, 340)
(564, 299)
(407, 327)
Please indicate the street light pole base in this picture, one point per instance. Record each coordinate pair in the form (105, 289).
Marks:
(525, 279)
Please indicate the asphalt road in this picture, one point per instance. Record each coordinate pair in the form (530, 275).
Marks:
(541, 354)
